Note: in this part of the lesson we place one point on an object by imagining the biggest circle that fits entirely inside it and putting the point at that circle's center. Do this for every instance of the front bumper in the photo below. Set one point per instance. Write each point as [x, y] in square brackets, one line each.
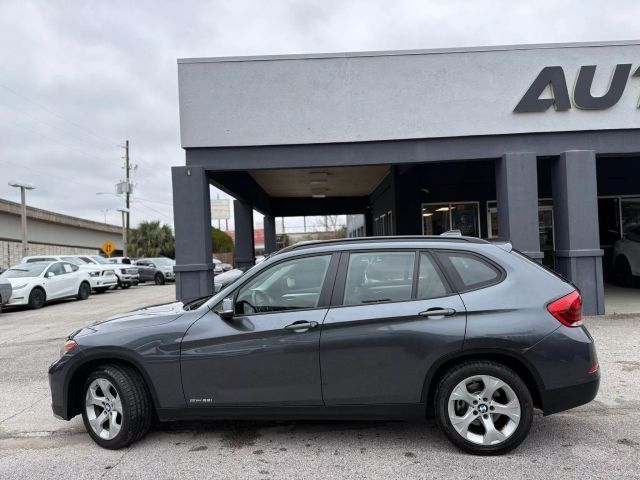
[129, 279]
[103, 282]
[60, 374]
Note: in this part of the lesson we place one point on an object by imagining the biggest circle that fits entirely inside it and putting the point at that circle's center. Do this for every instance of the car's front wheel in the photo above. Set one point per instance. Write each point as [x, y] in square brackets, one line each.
[484, 407]
[37, 297]
[84, 291]
[117, 406]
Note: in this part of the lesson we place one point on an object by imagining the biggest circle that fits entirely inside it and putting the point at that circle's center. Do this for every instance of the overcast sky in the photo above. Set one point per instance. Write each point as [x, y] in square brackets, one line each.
[78, 78]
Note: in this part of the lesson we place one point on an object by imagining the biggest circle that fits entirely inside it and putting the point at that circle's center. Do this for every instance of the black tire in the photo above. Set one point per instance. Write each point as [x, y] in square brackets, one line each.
[84, 291]
[136, 405]
[124, 286]
[37, 298]
[159, 279]
[101, 289]
[622, 272]
[465, 370]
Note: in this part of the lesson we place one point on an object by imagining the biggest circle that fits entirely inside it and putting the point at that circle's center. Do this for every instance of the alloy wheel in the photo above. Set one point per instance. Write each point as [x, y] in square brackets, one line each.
[104, 408]
[484, 410]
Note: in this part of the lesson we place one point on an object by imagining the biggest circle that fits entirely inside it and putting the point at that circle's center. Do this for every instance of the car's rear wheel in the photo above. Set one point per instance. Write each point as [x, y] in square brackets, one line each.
[37, 298]
[117, 406]
[484, 407]
[84, 291]
[159, 279]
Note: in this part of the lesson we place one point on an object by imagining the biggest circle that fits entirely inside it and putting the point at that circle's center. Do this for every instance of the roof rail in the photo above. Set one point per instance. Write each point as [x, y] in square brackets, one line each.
[398, 238]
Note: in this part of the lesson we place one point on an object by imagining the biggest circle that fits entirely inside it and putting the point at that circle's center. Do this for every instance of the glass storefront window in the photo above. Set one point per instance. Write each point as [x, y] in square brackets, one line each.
[630, 213]
[441, 217]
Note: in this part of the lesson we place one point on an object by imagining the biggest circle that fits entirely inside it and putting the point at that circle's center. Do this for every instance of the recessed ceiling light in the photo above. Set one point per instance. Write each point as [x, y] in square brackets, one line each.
[442, 209]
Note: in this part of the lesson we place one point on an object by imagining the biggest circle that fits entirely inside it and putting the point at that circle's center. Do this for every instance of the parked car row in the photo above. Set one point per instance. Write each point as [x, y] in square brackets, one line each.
[39, 279]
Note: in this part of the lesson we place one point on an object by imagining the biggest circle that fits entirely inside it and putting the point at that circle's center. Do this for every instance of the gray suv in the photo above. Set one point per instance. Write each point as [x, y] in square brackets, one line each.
[471, 333]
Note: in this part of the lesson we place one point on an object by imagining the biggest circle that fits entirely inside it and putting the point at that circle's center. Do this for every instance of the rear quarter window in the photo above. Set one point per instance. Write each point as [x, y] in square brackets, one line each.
[469, 271]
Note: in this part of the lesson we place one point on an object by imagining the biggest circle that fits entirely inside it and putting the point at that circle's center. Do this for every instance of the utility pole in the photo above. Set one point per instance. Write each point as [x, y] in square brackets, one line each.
[126, 169]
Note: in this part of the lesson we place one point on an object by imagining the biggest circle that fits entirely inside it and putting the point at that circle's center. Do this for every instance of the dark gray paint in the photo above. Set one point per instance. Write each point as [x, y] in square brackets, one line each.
[399, 152]
[549, 76]
[365, 356]
[517, 199]
[577, 241]
[582, 92]
[269, 234]
[244, 253]
[192, 222]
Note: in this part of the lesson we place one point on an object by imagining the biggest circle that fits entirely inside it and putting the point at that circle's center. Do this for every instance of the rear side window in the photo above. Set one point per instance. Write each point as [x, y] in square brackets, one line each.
[379, 277]
[431, 284]
[469, 272]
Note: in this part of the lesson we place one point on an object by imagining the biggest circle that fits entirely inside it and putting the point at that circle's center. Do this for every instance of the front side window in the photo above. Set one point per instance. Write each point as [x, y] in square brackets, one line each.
[469, 271]
[379, 277]
[289, 285]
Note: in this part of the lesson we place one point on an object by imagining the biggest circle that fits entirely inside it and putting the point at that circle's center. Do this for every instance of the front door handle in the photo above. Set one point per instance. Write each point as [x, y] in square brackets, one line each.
[301, 326]
[438, 312]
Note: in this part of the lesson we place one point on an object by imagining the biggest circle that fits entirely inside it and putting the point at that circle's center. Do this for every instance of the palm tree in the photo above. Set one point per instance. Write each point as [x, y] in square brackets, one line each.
[151, 239]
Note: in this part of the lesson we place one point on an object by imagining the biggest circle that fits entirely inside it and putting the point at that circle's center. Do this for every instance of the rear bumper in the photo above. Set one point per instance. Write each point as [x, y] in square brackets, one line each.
[561, 399]
[60, 373]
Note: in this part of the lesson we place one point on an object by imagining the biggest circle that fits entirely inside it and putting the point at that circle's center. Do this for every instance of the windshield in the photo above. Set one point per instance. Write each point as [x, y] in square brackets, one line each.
[163, 262]
[25, 270]
[99, 259]
[74, 260]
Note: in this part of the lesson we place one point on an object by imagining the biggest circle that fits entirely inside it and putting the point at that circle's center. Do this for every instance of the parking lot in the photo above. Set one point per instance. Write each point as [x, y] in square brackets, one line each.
[600, 440]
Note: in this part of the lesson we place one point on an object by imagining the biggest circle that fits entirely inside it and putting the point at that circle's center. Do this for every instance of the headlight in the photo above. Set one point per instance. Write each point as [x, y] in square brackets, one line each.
[94, 274]
[68, 345]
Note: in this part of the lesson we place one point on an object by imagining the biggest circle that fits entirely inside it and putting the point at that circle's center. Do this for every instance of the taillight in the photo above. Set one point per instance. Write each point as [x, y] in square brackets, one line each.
[568, 309]
[68, 345]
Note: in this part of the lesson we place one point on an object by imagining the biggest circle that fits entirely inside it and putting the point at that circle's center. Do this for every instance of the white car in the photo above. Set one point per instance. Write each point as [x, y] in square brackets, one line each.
[101, 277]
[127, 274]
[626, 256]
[36, 283]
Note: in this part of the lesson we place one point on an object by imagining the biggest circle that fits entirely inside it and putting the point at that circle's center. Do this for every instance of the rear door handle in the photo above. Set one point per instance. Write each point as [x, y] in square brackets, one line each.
[438, 312]
[301, 326]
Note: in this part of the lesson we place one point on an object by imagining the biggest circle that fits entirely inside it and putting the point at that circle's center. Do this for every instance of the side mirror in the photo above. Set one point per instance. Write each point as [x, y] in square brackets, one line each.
[226, 312]
[50, 274]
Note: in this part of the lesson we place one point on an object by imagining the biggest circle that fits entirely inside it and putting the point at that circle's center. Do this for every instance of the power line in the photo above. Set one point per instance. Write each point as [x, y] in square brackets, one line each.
[18, 94]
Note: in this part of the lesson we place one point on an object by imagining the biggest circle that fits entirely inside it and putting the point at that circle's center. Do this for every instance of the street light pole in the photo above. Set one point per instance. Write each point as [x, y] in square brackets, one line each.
[23, 198]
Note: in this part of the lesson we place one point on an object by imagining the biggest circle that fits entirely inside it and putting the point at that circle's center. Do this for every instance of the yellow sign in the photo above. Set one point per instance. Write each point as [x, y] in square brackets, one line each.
[108, 248]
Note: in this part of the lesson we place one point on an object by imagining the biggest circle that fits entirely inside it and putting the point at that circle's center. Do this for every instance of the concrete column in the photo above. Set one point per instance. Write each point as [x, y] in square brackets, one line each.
[244, 254]
[517, 198]
[269, 234]
[578, 256]
[192, 220]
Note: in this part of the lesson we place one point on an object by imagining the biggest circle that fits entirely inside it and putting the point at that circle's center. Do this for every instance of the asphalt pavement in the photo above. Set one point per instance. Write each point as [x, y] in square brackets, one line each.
[599, 440]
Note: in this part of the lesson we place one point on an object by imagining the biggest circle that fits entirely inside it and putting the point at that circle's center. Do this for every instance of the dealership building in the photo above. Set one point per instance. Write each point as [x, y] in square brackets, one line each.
[536, 144]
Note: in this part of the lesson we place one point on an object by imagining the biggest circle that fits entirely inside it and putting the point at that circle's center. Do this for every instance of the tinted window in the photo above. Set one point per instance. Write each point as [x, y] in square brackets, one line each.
[57, 269]
[634, 234]
[431, 284]
[290, 285]
[379, 277]
[469, 271]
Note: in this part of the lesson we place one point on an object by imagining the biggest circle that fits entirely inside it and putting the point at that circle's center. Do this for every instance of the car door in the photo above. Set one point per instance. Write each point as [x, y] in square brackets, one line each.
[267, 353]
[393, 315]
[55, 282]
[145, 271]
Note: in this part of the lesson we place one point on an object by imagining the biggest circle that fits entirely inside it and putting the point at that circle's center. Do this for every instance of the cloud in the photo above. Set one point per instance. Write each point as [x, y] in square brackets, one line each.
[78, 78]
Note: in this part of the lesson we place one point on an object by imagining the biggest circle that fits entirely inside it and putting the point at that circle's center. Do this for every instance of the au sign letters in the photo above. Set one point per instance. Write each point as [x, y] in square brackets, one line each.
[582, 97]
